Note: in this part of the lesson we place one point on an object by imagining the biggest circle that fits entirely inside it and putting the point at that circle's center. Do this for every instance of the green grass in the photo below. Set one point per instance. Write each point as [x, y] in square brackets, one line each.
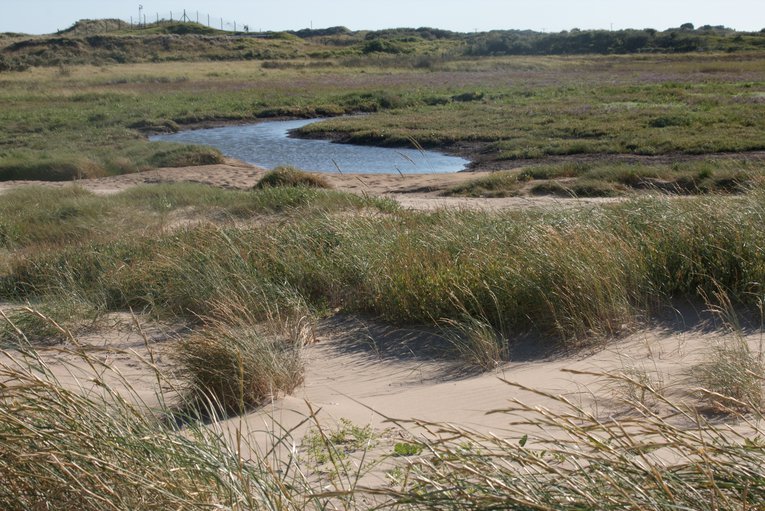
[495, 184]
[34, 216]
[609, 179]
[580, 116]
[81, 120]
[325, 446]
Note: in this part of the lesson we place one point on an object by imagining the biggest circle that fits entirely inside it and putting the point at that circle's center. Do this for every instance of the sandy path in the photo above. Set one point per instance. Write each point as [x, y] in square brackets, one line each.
[420, 191]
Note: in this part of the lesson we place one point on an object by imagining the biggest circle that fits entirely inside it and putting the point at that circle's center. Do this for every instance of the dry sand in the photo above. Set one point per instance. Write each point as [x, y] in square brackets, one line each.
[370, 373]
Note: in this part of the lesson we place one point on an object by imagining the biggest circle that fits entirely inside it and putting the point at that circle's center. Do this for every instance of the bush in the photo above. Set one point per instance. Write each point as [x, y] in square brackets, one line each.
[381, 46]
[156, 125]
[290, 176]
[497, 184]
[667, 121]
[50, 169]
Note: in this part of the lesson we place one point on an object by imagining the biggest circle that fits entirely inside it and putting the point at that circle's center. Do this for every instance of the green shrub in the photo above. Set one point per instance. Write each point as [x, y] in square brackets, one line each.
[496, 184]
[56, 169]
[666, 121]
[551, 188]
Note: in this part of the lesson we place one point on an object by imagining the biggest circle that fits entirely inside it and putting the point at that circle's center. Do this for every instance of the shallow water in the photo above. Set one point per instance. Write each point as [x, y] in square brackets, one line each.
[268, 145]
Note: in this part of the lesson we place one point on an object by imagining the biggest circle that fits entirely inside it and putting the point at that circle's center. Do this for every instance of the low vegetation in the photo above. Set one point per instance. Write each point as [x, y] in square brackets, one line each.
[232, 364]
[250, 293]
[290, 176]
[731, 376]
[247, 273]
[69, 448]
[115, 41]
[79, 120]
[569, 275]
[728, 175]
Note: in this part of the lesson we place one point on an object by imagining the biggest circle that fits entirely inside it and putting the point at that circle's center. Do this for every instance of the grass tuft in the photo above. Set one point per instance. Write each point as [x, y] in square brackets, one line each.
[731, 377]
[497, 184]
[290, 176]
[234, 364]
[477, 342]
[49, 323]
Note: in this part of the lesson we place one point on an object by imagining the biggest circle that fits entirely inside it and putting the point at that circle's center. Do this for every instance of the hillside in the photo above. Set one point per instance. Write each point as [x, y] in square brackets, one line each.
[108, 41]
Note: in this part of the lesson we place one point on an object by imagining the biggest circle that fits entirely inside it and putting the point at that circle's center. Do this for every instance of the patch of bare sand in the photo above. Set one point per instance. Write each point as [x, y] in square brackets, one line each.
[117, 351]
[369, 373]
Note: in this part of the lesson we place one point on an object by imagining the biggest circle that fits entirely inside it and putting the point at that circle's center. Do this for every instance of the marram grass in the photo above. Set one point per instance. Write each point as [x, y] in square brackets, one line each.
[569, 275]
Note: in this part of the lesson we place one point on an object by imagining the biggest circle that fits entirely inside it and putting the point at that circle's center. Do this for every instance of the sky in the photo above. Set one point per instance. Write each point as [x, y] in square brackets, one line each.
[47, 16]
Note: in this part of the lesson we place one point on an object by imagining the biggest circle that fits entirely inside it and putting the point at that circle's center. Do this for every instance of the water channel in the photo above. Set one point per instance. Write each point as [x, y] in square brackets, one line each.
[269, 145]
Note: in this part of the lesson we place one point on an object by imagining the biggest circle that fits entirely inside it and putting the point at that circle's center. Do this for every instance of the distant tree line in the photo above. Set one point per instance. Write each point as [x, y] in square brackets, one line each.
[527, 42]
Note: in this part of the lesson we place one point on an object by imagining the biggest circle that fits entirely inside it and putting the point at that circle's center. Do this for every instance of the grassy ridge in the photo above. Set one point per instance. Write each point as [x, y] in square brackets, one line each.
[569, 275]
[112, 41]
[35, 218]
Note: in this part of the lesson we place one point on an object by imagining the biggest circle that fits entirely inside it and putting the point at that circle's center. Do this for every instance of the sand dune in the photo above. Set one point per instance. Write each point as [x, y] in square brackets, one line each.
[369, 373]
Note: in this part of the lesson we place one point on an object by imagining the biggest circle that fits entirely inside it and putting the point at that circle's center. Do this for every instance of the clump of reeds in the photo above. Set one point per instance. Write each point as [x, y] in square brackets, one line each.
[731, 376]
[48, 323]
[476, 341]
[570, 276]
[496, 184]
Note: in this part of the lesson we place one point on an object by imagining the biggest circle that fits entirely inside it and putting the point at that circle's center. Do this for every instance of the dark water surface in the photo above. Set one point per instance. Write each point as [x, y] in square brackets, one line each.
[266, 144]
